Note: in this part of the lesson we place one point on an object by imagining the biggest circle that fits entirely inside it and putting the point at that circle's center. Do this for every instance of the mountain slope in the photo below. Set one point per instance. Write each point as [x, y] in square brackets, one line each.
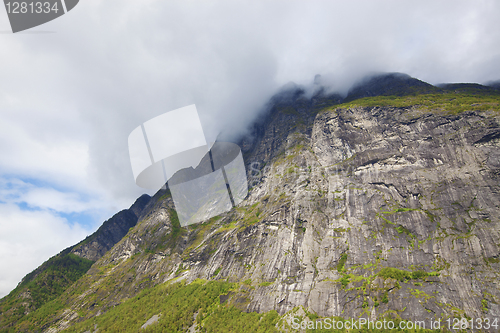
[55, 275]
[356, 210]
[111, 231]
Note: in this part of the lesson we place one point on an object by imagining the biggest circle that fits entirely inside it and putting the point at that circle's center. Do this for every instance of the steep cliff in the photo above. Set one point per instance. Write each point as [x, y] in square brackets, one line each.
[380, 207]
[111, 231]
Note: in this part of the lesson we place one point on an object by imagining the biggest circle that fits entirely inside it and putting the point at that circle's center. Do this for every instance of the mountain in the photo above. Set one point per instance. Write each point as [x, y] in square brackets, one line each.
[111, 231]
[494, 84]
[55, 275]
[392, 84]
[384, 205]
[469, 88]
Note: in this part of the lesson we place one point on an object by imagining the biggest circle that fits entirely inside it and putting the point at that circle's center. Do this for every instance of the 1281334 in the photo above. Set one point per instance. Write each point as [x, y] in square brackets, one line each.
[32, 7]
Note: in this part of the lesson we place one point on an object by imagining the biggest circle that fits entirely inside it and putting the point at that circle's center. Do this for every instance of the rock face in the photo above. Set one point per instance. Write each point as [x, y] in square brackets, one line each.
[353, 212]
[372, 188]
[111, 231]
[415, 190]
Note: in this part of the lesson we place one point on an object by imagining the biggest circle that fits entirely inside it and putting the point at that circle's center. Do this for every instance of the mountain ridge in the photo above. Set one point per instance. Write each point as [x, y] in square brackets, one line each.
[56, 274]
[323, 193]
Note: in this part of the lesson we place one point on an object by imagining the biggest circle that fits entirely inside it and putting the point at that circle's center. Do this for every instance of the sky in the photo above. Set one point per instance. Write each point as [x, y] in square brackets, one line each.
[73, 89]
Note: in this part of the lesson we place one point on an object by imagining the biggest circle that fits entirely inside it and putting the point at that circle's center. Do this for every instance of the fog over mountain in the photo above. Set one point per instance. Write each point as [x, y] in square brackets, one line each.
[73, 89]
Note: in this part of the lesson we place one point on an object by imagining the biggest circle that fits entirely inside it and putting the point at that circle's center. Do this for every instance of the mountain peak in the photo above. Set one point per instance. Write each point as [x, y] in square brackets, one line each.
[385, 84]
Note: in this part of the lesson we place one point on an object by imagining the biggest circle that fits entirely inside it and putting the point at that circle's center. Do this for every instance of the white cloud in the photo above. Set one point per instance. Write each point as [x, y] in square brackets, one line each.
[27, 239]
[33, 146]
[39, 197]
[30, 236]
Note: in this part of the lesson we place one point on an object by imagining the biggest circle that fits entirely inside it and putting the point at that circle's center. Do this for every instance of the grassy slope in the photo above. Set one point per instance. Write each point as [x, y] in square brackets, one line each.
[450, 101]
[44, 284]
[180, 306]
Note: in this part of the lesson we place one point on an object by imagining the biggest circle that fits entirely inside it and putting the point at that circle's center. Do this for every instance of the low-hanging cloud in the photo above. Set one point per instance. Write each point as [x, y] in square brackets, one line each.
[115, 64]
[229, 58]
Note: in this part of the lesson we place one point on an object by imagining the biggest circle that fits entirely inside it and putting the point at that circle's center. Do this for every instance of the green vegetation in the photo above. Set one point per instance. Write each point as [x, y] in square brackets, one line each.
[178, 305]
[447, 102]
[400, 229]
[341, 263]
[42, 285]
[176, 226]
[344, 280]
[211, 306]
[419, 294]
[402, 275]
[166, 195]
[400, 210]
[201, 230]
[289, 110]
[39, 318]
[168, 240]
[233, 224]
[385, 298]
[58, 274]
[492, 260]
[249, 215]
[484, 305]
